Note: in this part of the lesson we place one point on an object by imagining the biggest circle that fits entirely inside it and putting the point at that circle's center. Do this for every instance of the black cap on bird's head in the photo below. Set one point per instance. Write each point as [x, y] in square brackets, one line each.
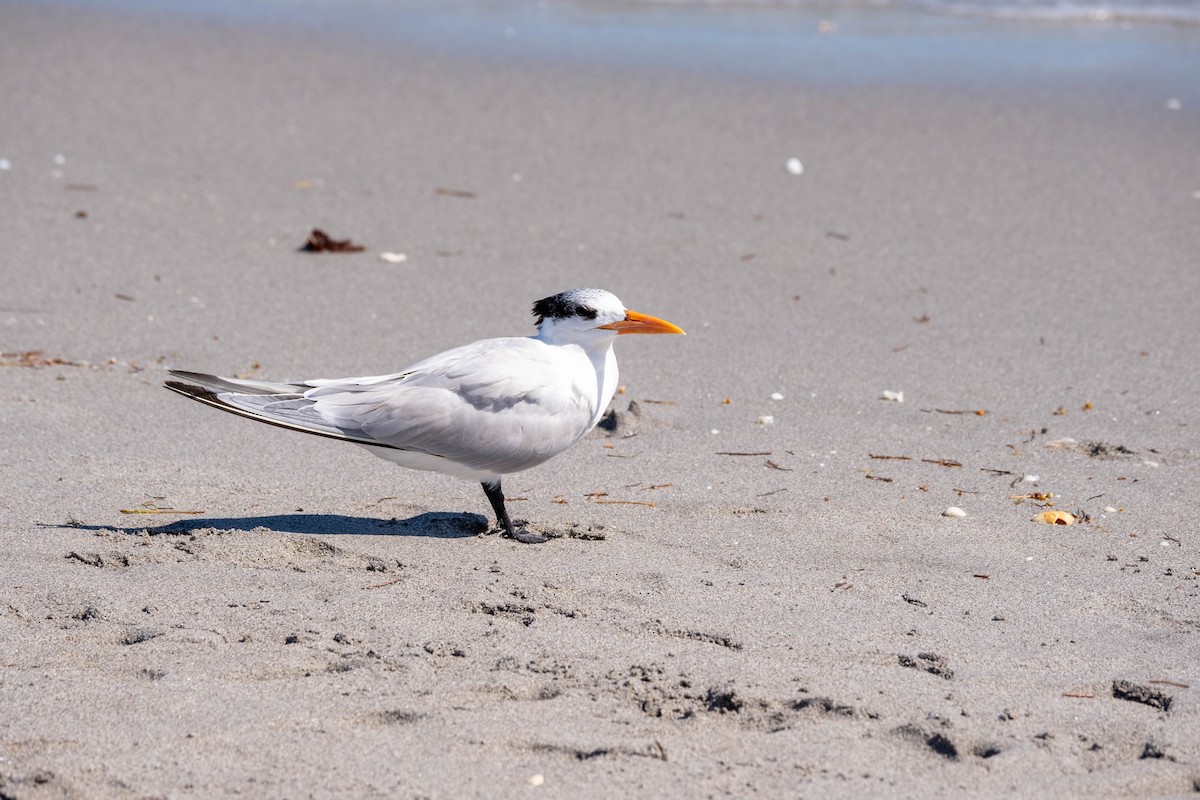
[595, 309]
[571, 303]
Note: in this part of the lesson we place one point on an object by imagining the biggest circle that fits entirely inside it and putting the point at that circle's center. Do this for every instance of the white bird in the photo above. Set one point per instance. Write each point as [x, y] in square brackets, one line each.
[480, 411]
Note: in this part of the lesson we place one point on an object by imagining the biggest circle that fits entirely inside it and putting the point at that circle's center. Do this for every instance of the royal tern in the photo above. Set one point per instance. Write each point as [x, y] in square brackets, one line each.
[480, 411]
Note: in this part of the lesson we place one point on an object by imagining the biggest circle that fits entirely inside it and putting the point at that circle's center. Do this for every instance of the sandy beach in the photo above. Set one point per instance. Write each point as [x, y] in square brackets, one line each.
[752, 588]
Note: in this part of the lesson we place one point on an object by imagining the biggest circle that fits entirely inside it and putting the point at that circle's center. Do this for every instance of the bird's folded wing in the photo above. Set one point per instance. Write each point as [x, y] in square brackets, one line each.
[499, 405]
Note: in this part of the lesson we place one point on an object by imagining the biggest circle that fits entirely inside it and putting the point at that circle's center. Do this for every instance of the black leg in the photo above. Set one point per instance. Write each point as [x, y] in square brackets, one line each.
[495, 496]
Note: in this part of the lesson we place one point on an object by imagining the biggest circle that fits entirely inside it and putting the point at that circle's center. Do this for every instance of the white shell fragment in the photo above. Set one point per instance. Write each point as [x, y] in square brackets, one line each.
[5, 163]
[537, 780]
[1109, 510]
[393, 258]
[1032, 478]
[794, 166]
[776, 396]
[766, 419]
[895, 397]
[954, 511]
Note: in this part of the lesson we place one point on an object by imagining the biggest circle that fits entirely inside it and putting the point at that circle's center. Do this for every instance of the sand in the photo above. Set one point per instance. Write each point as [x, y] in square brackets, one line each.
[729, 607]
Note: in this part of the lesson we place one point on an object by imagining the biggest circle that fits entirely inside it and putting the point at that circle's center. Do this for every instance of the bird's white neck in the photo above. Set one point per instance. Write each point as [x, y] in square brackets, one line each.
[597, 346]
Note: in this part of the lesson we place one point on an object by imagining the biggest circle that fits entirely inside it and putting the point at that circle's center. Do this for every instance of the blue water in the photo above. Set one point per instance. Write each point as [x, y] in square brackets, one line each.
[830, 42]
[1176, 12]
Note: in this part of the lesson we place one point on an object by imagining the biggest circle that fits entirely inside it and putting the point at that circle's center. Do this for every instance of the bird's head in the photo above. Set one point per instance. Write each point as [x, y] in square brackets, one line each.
[582, 315]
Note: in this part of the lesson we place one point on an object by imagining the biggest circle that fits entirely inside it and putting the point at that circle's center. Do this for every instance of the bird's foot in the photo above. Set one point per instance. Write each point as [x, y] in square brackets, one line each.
[524, 536]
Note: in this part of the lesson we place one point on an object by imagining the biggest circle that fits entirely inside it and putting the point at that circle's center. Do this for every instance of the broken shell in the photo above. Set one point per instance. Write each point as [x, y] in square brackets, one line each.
[1055, 518]
[954, 511]
[393, 258]
[766, 420]
[897, 397]
[794, 166]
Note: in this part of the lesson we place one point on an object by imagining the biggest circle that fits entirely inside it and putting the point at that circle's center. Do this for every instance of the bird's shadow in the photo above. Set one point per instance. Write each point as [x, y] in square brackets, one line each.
[433, 524]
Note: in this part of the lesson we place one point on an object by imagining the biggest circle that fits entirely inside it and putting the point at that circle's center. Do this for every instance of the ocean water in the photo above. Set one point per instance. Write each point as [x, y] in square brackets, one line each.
[1129, 12]
[818, 42]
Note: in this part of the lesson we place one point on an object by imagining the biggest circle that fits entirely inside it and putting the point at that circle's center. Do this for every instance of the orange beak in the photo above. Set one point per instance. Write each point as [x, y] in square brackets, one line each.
[641, 323]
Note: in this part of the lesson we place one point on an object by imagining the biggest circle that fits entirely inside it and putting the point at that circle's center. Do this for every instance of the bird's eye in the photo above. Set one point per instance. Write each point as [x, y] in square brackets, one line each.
[585, 312]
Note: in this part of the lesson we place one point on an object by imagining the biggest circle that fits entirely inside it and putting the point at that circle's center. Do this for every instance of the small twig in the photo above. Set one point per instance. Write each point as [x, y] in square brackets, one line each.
[444, 192]
[890, 458]
[977, 412]
[996, 471]
[660, 402]
[156, 511]
[728, 453]
[385, 583]
[1079, 694]
[773, 465]
[768, 494]
[941, 462]
[627, 503]
[871, 477]
[1176, 684]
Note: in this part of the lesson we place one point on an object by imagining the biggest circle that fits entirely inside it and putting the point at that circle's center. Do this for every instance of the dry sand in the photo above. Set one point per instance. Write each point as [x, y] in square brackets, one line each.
[801, 622]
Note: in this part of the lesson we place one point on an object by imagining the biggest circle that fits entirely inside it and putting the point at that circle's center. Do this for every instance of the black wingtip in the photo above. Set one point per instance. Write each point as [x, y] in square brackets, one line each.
[192, 391]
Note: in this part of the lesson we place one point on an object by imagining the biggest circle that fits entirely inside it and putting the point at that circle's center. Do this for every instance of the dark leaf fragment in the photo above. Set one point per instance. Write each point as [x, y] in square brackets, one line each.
[321, 242]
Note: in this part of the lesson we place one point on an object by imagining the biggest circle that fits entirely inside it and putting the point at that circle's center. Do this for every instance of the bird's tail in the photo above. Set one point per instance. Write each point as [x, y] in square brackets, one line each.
[280, 404]
[217, 383]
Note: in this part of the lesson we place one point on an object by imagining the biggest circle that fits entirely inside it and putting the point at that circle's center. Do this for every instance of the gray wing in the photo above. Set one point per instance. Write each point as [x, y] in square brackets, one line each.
[500, 405]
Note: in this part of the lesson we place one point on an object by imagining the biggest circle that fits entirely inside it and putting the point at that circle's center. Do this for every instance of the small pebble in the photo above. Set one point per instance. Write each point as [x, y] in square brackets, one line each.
[5, 163]
[954, 511]
[794, 166]
[714, 431]
[60, 160]
[766, 420]
[895, 397]
[537, 780]
[1174, 104]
